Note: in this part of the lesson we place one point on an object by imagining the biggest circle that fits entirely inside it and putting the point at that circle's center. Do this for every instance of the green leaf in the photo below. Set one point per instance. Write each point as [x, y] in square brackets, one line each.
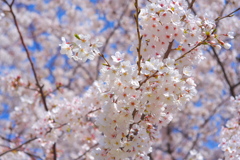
[77, 36]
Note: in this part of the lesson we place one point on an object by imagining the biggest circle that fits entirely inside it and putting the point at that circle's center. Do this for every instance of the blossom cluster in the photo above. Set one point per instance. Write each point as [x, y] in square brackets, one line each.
[124, 105]
[139, 99]
[83, 49]
[230, 135]
[230, 139]
[70, 122]
[165, 22]
[134, 112]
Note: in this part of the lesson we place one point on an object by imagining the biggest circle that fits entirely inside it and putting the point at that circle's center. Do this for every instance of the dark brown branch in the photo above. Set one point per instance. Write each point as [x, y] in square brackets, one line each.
[136, 16]
[141, 83]
[131, 125]
[229, 15]
[169, 147]
[150, 156]
[16, 148]
[221, 13]
[169, 150]
[10, 5]
[166, 54]
[28, 56]
[188, 52]
[6, 139]
[190, 6]
[54, 148]
[231, 89]
[199, 44]
[235, 85]
[93, 111]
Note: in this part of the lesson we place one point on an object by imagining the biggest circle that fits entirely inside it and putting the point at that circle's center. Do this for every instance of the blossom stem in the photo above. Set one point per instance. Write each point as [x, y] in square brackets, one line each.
[199, 44]
[141, 83]
[188, 51]
[107, 64]
[229, 15]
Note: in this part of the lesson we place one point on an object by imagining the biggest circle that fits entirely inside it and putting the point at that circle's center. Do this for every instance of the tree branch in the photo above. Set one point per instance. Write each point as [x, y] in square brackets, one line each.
[28, 56]
[102, 55]
[190, 6]
[231, 88]
[228, 15]
[141, 83]
[169, 148]
[166, 54]
[16, 148]
[199, 44]
[136, 16]
[54, 148]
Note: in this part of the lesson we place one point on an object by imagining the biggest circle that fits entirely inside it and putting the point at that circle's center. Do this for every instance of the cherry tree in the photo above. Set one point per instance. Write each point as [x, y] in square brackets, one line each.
[141, 79]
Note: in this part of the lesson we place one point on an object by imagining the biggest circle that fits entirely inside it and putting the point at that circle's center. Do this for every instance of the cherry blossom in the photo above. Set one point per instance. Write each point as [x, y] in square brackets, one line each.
[122, 79]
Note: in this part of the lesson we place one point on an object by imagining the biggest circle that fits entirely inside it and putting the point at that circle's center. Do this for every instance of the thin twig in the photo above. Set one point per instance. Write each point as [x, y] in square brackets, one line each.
[93, 111]
[190, 6]
[229, 15]
[16, 148]
[199, 44]
[231, 88]
[166, 54]
[235, 85]
[188, 52]
[131, 125]
[6, 139]
[221, 13]
[141, 83]
[33, 156]
[10, 5]
[136, 16]
[102, 55]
